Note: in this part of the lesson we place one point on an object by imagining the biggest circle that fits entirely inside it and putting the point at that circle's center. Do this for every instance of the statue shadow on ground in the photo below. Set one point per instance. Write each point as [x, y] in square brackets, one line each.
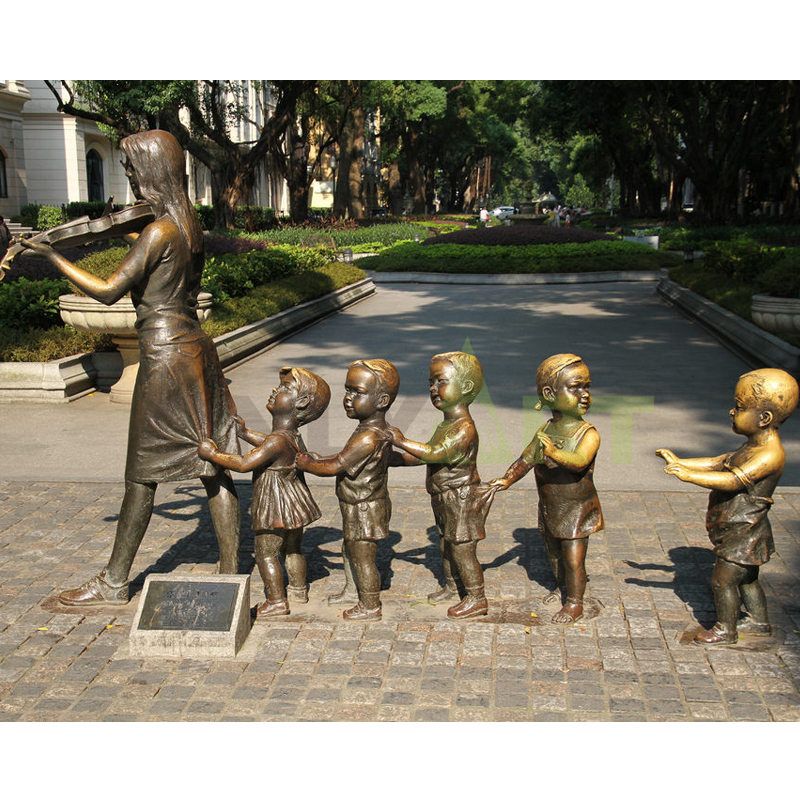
[530, 553]
[691, 579]
[427, 555]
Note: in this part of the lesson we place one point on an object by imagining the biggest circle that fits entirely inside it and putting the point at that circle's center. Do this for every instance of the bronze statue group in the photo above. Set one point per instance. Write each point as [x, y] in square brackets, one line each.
[184, 425]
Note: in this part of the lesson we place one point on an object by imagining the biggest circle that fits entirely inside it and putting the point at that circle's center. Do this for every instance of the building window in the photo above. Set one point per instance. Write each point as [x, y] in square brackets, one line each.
[94, 176]
[3, 179]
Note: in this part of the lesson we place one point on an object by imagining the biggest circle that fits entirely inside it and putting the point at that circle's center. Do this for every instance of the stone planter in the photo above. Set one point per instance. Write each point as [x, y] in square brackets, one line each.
[776, 314]
[118, 320]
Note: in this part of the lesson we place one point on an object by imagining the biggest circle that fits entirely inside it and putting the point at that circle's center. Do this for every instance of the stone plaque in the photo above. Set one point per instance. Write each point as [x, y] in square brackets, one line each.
[194, 606]
[192, 616]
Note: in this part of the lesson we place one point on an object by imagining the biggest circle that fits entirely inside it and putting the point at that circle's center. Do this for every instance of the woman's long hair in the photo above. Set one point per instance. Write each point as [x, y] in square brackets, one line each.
[160, 166]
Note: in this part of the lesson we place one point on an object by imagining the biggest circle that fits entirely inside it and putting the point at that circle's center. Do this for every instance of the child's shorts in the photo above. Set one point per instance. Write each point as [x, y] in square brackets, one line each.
[367, 521]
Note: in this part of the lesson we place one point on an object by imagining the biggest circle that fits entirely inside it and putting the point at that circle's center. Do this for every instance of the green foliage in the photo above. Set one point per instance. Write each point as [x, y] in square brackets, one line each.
[27, 303]
[741, 261]
[48, 217]
[35, 344]
[42, 218]
[384, 234]
[682, 237]
[103, 264]
[38, 344]
[233, 275]
[246, 218]
[281, 294]
[578, 194]
[734, 296]
[498, 259]
[783, 278]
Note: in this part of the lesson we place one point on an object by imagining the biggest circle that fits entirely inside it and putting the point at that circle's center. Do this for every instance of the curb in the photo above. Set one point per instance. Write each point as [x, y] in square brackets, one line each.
[73, 377]
[516, 279]
[756, 346]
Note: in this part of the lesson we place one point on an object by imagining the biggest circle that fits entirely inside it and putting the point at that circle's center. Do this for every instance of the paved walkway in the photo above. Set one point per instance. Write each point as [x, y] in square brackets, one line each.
[649, 569]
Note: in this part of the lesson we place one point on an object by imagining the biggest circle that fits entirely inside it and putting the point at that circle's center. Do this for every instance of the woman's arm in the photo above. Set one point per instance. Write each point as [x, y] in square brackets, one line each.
[148, 248]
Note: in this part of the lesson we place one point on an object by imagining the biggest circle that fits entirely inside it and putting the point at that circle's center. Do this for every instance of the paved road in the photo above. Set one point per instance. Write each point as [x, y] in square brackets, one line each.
[659, 380]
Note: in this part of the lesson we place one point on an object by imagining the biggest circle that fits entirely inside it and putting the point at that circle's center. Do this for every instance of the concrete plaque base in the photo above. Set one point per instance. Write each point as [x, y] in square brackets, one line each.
[191, 616]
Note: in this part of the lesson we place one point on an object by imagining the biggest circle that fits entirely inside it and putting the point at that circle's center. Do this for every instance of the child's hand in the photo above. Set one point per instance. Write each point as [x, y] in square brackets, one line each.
[207, 449]
[679, 471]
[241, 425]
[500, 484]
[302, 460]
[395, 435]
[667, 455]
[548, 448]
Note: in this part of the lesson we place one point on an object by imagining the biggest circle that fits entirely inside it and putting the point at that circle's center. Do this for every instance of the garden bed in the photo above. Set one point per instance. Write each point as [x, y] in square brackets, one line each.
[518, 235]
[596, 256]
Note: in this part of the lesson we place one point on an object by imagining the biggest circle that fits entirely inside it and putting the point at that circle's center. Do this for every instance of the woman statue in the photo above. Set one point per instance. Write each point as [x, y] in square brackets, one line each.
[180, 397]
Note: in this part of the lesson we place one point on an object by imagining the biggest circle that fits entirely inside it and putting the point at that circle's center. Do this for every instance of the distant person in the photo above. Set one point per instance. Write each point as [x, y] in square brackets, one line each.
[484, 217]
[5, 237]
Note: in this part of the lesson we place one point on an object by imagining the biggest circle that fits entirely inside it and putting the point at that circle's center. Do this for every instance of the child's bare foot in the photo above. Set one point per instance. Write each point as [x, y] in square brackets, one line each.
[277, 609]
[347, 595]
[552, 597]
[570, 612]
[446, 592]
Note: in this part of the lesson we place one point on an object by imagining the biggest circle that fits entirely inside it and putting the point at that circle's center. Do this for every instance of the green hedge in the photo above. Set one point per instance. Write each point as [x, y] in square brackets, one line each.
[587, 257]
[264, 301]
[235, 274]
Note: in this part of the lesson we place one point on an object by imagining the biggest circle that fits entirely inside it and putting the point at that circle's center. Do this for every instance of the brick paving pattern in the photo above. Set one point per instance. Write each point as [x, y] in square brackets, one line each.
[649, 582]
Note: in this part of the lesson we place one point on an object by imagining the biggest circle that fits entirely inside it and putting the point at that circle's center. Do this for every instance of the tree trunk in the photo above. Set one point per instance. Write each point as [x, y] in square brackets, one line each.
[395, 189]
[348, 201]
[297, 173]
[416, 178]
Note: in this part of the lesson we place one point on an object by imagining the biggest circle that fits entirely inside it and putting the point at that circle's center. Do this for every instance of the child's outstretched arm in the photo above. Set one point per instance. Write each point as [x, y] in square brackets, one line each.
[264, 454]
[398, 459]
[436, 452]
[574, 461]
[708, 462]
[764, 461]
[359, 447]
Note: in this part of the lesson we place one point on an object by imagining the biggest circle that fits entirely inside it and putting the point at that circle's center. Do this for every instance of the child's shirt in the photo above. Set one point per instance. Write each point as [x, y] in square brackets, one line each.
[365, 458]
[737, 522]
[459, 438]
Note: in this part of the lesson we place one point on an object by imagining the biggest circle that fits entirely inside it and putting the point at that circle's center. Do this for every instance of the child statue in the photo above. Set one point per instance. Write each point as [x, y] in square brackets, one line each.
[562, 455]
[361, 470]
[460, 503]
[281, 505]
[741, 486]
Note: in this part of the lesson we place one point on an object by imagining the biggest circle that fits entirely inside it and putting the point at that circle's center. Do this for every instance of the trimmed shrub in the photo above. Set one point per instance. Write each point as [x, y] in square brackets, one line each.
[385, 234]
[589, 257]
[741, 261]
[246, 218]
[782, 279]
[48, 217]
[30, 304]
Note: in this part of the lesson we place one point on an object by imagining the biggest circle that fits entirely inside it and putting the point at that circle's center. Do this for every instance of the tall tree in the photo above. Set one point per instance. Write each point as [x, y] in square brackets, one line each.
[202, 115]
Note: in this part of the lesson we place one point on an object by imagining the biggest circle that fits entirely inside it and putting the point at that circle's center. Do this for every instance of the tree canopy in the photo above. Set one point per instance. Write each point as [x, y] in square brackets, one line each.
[738, 142]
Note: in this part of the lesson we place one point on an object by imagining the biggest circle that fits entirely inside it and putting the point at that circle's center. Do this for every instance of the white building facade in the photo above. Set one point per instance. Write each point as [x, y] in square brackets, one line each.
[51, 158]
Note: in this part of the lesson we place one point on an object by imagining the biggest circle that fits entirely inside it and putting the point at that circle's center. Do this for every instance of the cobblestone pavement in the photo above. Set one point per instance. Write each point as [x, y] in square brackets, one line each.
[649, 581]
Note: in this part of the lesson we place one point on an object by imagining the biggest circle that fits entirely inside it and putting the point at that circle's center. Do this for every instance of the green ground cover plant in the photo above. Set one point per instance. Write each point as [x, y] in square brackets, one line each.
[599, 256]
[383, 234]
